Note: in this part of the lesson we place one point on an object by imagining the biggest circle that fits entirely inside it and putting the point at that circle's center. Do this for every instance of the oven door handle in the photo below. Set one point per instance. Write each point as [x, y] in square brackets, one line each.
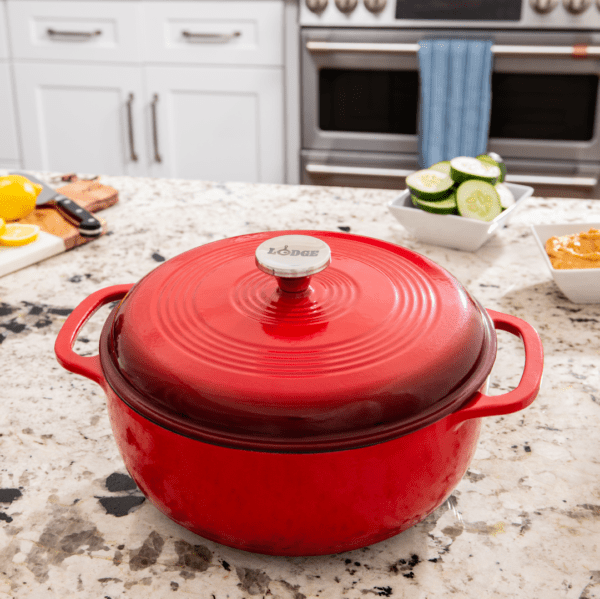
[544, 180]
[326, 169]
[577, 51]
[398, 173]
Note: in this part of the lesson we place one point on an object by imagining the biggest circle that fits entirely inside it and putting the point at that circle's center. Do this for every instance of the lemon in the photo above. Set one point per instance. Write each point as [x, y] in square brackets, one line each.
[19, 234]
[2, 226]
[17, 196]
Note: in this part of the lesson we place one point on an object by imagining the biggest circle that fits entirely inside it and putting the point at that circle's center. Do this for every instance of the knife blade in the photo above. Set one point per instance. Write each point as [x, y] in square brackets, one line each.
[88, 225]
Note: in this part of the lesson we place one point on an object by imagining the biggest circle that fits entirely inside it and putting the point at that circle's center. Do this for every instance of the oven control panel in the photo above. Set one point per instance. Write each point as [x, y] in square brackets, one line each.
[468, 14]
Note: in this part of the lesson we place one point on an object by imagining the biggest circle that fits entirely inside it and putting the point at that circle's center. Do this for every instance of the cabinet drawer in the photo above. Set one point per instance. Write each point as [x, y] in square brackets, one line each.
[75, 31]
[235, 32]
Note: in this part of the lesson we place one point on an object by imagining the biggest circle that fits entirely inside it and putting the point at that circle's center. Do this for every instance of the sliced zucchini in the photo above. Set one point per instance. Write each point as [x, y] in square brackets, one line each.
[507, 199]
[496, 160]
[478, 199]
[443, 166]
[464, 168]
[445, 206]
[429, 184]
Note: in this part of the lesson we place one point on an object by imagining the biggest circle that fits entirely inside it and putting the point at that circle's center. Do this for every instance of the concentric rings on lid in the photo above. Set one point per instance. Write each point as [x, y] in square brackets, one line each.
[382, 342]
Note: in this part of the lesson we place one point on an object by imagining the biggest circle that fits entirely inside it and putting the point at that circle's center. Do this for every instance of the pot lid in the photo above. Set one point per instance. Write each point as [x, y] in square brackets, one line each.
[297, 341]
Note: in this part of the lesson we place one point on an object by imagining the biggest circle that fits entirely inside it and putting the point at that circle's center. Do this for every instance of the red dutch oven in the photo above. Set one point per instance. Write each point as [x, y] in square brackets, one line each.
[301, 392]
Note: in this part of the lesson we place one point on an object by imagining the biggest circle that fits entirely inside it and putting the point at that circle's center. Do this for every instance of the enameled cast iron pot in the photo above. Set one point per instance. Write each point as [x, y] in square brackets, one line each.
[266, 402]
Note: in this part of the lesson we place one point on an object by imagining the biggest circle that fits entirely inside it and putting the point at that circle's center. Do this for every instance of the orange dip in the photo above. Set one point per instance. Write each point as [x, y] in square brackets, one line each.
[580, 250]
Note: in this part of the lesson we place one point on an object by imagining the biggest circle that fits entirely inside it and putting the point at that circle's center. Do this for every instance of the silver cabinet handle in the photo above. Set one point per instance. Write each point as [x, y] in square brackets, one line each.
[211, 37]
[579, 51]
[157, 156]
[132, 153]
[88, 34]
[325, 169]
[543, 180]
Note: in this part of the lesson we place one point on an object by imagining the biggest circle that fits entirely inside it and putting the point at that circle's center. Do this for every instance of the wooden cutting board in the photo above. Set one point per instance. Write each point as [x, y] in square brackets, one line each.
[57, 234]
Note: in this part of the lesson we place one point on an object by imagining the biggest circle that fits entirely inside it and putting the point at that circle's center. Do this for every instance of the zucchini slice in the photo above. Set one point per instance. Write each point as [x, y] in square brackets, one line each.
[479, 200]
[443, 166]
[464, 168]
[445, 206]
[496, 160]
[507, 199]
[429, 184]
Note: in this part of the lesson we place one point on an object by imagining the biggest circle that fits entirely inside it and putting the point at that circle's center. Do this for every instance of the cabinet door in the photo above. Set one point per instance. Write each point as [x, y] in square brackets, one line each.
[9, 148]
[77, 118]
[3, 31]
[216, 123]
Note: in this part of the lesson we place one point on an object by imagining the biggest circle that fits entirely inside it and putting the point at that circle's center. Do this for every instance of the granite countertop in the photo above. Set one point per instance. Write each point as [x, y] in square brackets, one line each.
[524, 521]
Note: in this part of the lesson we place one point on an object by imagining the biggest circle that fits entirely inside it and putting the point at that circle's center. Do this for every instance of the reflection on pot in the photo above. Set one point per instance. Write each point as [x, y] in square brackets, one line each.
[307, 317]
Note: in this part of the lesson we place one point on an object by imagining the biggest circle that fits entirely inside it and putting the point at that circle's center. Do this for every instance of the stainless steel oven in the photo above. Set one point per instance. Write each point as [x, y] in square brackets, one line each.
[360, 88]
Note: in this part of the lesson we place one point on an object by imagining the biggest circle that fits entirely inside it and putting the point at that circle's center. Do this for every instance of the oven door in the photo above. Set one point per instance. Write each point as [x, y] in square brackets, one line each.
[359, 100]
[360, 93]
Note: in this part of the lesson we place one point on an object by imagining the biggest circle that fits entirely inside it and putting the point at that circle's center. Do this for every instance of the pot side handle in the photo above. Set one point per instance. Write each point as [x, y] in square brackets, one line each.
[89, 367]
[517, 399]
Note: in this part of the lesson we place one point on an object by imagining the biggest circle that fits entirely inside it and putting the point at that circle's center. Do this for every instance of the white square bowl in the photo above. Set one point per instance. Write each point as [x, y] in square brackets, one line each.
[450, 230]
[580, 285]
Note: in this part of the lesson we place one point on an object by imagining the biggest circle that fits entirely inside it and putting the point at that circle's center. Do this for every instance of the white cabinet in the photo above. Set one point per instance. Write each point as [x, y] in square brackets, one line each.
[9, 147]
[88, 30]
[198, 94]
[217, 123]
[3, 32]
[79, 118]
[231, 32]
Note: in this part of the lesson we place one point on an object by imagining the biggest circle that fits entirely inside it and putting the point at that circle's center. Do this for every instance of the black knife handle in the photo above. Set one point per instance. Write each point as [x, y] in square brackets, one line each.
[89, 226]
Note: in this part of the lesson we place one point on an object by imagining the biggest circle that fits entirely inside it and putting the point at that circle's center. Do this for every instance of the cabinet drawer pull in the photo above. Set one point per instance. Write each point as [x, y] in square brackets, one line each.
[157, 156]
[86, 34]
[132, 153]
[210, 37]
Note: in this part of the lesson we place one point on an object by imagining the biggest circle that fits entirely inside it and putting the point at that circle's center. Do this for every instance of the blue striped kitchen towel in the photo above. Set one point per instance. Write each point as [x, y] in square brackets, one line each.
[456, 98]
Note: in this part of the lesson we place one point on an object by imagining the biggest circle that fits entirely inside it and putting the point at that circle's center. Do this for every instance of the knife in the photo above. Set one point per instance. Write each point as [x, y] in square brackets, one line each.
[89, 226]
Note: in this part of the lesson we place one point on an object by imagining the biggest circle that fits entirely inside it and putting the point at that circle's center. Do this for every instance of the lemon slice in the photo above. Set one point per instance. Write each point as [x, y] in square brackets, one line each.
[19, 234]
[2, 226]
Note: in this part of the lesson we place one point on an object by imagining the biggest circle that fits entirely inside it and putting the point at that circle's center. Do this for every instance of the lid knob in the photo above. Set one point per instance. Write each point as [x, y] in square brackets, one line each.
[293, 259]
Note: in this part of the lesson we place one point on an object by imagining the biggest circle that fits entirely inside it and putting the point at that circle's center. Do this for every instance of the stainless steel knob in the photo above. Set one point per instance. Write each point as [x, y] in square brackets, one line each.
[376, 6]
[576, 7]
[543, 6]
[316, 6]
[293, 259]
[346, 6]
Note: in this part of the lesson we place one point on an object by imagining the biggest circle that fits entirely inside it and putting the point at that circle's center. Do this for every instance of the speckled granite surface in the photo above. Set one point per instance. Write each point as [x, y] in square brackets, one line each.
[524, 522]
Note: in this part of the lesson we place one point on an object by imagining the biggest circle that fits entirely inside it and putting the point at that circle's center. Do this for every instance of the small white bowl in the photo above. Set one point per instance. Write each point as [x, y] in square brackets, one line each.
[580, 285]
[450, 230]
